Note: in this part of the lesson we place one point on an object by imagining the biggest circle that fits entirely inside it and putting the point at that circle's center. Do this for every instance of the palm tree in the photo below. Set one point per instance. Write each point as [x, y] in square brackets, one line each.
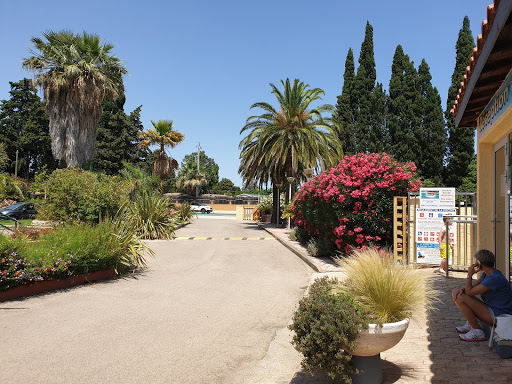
[286, 141]
[76, 72]
[163, 135]
[191, 178]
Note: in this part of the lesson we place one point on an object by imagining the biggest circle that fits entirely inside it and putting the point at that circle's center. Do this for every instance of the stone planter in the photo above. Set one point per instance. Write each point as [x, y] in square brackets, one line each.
[266, 218]
[375, 339]
[370, 343]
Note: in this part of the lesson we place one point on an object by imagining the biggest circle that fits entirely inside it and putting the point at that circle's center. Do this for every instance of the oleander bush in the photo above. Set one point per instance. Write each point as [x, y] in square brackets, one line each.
[351, 205]
[326, 325]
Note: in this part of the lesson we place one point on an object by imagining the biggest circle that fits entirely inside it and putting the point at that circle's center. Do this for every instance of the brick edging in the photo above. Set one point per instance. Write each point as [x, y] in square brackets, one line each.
[52, 285]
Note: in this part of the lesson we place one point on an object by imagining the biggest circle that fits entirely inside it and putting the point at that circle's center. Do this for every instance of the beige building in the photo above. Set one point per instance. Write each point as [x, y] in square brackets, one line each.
[485, 102]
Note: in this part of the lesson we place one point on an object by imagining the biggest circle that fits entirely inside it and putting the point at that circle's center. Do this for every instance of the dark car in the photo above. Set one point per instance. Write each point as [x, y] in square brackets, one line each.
[20, 211]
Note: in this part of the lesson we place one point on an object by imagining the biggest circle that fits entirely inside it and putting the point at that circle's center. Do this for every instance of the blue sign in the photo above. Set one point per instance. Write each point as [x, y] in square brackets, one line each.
[496, 107]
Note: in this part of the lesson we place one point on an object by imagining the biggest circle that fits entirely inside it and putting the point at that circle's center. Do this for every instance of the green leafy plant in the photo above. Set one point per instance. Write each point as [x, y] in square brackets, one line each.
[185, 212]
[131, 248]
[326, 325]
[388, 290]
[150, 214]
[320, 248]
[77, 196]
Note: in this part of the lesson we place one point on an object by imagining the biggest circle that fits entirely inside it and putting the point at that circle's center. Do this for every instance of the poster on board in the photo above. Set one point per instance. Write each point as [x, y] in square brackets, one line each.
[429, 223]
[437, 197]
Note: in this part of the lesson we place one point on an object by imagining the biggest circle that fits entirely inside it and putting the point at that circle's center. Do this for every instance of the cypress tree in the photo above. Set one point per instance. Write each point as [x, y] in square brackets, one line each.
[344, 111]
[404, 108]
[364, 83]
[378, 134]
[432, 134]
[24, 127]
[117, 139]
[461, 141]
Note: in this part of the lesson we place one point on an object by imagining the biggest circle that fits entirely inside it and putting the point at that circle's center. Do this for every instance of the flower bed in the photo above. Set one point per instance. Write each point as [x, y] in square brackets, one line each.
[51, 285]
[351, 205]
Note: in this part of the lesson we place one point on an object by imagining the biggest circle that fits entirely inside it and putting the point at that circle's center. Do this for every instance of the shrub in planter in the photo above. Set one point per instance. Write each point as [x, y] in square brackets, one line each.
[351, 205]
[326, 325]
[389, 291]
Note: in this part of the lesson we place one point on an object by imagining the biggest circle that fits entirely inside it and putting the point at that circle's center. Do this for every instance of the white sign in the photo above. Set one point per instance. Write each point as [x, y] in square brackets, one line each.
[429, 224]
[437, 197]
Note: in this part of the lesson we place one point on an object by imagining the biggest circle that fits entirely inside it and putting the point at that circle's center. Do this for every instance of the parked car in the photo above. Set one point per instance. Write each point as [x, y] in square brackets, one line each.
[20, 211]
[200, 207]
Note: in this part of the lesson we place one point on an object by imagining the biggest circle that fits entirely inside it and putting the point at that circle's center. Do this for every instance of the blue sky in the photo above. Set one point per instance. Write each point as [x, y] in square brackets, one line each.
[203, 63]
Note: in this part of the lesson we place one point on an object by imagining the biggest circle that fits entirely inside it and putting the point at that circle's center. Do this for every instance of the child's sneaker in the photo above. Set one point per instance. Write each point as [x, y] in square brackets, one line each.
[473, 335]
[464, 328]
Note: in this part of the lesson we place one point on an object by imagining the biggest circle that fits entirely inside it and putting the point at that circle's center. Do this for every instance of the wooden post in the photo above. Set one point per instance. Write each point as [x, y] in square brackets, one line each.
[400, 229]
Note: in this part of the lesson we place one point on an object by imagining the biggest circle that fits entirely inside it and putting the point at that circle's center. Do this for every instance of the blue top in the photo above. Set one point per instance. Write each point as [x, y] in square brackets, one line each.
[499, 296]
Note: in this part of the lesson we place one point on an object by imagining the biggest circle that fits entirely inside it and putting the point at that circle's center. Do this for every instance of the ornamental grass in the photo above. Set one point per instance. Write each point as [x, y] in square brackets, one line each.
[388, 290]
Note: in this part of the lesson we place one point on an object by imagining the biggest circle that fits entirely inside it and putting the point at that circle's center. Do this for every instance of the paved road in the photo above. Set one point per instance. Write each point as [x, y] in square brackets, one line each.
[205, 311]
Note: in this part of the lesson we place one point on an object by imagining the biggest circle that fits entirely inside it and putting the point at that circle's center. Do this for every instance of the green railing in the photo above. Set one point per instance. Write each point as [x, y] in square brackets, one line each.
[5, 217]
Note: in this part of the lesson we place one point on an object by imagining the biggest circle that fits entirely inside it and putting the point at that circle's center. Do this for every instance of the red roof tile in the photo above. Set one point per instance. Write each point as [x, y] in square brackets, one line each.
[486, 27]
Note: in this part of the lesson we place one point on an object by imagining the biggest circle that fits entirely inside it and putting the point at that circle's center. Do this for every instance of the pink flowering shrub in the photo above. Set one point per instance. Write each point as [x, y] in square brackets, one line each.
[351, 205]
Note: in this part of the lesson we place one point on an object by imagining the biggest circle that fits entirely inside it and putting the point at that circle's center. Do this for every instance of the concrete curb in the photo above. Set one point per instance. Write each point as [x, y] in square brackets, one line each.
[285, 243]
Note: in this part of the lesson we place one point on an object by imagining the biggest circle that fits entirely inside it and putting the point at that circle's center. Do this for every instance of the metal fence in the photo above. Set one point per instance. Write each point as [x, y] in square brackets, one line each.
[463, 251]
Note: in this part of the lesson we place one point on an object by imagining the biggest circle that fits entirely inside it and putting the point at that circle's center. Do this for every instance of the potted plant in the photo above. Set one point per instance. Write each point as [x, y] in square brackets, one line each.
[265, 208]
[386, 293]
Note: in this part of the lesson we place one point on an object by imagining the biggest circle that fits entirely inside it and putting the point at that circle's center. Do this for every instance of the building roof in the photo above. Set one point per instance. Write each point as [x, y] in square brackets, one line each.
[488, 66]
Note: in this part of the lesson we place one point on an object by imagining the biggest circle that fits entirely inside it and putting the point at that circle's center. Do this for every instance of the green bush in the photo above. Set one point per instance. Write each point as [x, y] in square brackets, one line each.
[151, 216]
[326, 327]
[71, 250]
[13, 188]
[77, 196]
[185, 212]
[320, 248]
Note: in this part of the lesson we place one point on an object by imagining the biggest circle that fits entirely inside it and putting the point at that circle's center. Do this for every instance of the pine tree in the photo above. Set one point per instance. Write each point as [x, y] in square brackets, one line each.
[364, 83]
[117, 138]
[24, 127]
[461, 140]
[344, 111]
[432, 134]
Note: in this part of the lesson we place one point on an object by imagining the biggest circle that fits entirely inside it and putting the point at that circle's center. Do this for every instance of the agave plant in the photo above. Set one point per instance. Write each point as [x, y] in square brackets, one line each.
[150, 215]
[388, 290]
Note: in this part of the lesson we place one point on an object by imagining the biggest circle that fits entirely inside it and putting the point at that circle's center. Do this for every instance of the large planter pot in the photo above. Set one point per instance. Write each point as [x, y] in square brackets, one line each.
[375, 339]
[266, 218]
[370, 343]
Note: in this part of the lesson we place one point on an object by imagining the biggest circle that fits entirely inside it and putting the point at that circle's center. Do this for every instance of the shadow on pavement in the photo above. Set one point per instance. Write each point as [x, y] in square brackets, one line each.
[454, 360]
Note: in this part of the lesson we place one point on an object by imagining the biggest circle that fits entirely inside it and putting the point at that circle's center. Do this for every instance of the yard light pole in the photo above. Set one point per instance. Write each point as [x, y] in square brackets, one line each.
[309, 173]
[290, 181]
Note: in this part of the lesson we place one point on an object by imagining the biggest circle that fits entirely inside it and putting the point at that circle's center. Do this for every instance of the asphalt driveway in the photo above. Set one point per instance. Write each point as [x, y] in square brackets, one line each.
[205, 311]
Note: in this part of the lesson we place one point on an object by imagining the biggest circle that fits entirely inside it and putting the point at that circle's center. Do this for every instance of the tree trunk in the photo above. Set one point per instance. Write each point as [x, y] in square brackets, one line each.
[275, 204]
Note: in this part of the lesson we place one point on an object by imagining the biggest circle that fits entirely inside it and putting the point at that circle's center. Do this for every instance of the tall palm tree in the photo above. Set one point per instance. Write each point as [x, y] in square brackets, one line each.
[163, 135]
[191, 178]
[76, 72]
[285, 141]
